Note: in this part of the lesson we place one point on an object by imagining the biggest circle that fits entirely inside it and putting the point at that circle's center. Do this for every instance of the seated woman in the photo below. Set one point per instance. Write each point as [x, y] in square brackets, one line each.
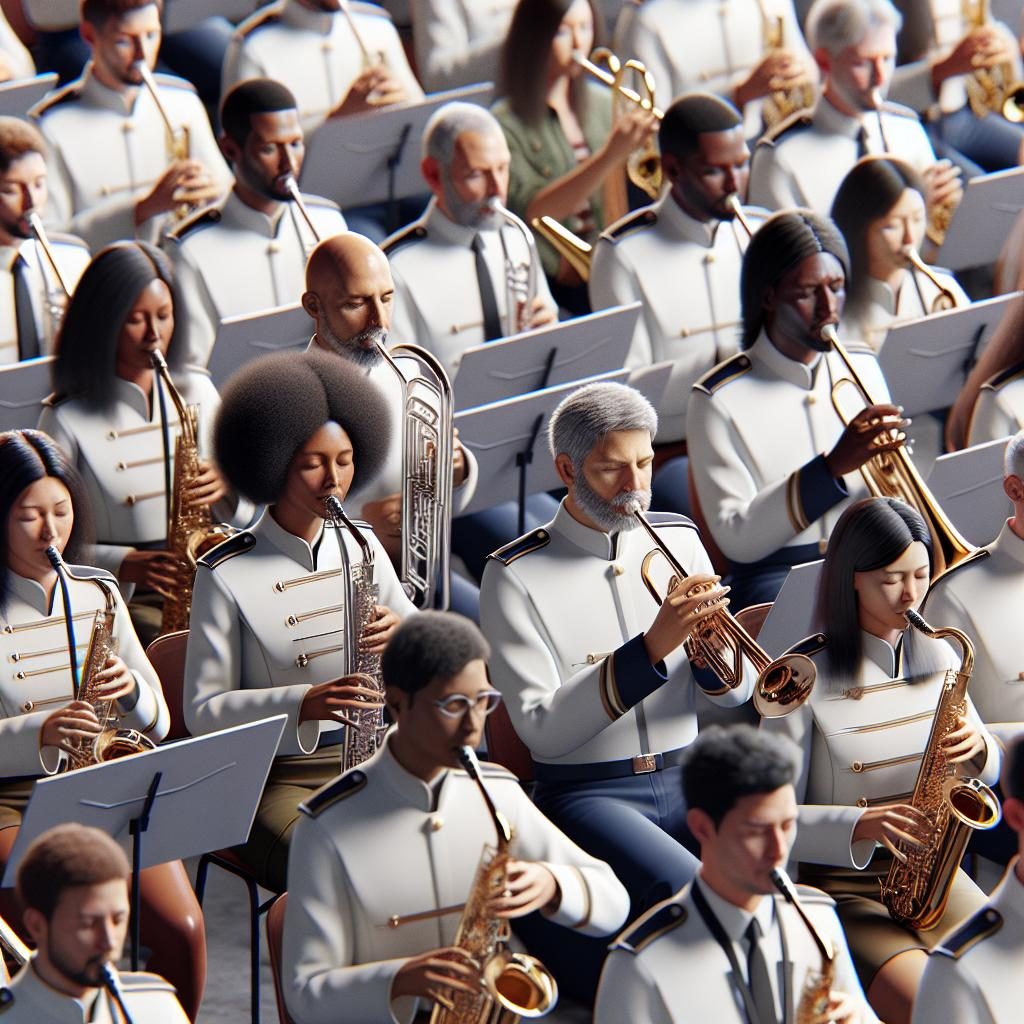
[567, 156]
[880, 210]
[109, 410]
[269, 633]
[42, 503]
[863, 732]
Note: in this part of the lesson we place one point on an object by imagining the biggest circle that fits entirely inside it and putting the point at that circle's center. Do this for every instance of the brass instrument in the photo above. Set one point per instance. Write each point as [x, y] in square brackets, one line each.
[369, 59]
[292, 188]
[721, 642]
[573, 249]
[993, 88]
[364, 729]
[56, 298]
[514, 985]
[917, 887]
[734, 204]
[945, 299]
[191, 531]
[814, 999]
[894, 475]
[112, 742]
[785, 98]
[520, 278]
[644, 163]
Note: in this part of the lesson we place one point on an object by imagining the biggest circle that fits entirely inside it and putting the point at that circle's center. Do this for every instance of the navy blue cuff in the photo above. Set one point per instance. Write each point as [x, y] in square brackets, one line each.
[627, 676]
[811, 492]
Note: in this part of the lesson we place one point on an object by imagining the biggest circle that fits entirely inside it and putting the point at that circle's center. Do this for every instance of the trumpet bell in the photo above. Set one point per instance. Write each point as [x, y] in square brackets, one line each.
[784, 685]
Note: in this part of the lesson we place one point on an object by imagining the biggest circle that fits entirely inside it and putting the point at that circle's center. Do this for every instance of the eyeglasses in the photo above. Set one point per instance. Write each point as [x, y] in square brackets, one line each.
[456, 705]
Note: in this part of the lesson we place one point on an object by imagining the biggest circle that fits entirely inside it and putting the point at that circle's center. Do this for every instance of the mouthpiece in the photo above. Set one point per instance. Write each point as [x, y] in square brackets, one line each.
[781, 882]
[334, 507]
[467, 758]
[828, 334]
[291, 186]
[733, 202]
[633, 507]
[54, 556]
[916, 620]
[158, 361]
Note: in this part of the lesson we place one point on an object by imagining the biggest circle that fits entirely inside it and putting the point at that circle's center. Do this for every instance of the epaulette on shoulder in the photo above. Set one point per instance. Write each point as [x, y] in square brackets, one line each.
[264, 16]
[735, 366]
[204, 218]
[413, 233]
[236, 545]
[631, 222]
[1005, 376]
[6, 999]
[47, 103]
[658, 519]
[795, 122]
[497, 771]
[338, 789]
[808, 894]
[523, 546]
[810, 645]
[984, 923]
[143, 981]
[898, 110]
[173, 82]
[655, 923]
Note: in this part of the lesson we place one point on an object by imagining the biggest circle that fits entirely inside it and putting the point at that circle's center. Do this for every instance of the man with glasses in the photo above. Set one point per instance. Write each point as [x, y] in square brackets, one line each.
[384, 857]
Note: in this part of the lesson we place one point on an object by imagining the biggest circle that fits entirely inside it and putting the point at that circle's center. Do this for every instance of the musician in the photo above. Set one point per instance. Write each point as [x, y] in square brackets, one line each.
[108, 412]
[111, 174]
[268, 608]
[413, 807]
[248, 251]
[877, 690]
[32, 298]
[971, 977]
[772, 486]
[43, 503]
[73, 882]
[880, 210]
[460, 238]
[729, 940]
[802, 161]
[333, 65]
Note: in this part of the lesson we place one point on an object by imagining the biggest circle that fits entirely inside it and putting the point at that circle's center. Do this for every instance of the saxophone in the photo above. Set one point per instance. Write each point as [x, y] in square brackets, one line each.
[784, 100]
[364, 730]
[515, 985]
[916, 889]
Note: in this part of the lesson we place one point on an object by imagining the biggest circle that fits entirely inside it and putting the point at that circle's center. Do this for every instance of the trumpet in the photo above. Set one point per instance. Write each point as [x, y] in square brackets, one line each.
[945, 299]
[56, 298]
[520, 278]
[894, 475]
[722, 642]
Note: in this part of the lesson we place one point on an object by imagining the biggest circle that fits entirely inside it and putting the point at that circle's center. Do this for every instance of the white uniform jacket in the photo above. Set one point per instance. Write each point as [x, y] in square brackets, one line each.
[108, 149]
[379, 843]
[30, 1000]
[119, 452]
[984, 596]
[999, 408]
[314, 53]
[668, 968]
[687, 275]
[35, 670]
[975, 976]
[48, 301]
[759, 427]
[565, 610]
[862, 742]
[268, 623]
[710, 45]
[18, 58]
[231, 259]
[803, 161]
[458, 42]
[437, 298]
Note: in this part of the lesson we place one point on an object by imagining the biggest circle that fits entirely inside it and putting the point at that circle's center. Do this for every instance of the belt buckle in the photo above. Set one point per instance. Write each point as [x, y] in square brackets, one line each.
[644, 764]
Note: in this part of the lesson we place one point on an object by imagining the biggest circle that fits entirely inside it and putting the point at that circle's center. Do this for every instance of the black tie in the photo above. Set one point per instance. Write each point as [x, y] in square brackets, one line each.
[758, 976]
[862, 142]
[28, 335]
[488, 302]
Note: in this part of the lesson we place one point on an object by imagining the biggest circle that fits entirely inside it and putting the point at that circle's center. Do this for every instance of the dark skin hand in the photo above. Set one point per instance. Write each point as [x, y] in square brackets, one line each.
[875, 429]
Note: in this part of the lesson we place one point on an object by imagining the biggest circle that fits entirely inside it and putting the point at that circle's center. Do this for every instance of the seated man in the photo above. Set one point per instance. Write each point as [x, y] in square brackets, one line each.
[249, 251]
[399, 840]
[73, 883]
[731, 929]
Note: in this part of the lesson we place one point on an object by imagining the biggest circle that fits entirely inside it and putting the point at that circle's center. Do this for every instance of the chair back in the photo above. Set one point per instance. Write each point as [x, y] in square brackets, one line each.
[167, 656]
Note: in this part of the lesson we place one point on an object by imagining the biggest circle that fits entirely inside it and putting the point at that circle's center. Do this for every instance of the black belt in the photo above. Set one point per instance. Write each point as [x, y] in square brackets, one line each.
[641, 764]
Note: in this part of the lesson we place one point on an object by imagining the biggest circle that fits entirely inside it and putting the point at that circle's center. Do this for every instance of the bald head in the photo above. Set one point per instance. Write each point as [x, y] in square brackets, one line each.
[349, 294]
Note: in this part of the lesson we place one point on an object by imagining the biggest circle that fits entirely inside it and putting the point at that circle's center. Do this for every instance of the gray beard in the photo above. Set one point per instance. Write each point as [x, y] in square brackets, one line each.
[469, 215]
[610, 516]
[352, 349]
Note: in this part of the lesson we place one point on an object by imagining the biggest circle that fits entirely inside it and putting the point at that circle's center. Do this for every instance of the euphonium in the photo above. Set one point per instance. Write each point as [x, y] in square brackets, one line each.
[521, 277]
[945, 299]
[363, 729]
[894, 475]
[515, 985]
[917, 887]
[722, 642]
[56, 297]
[190, 528]
[573, 249]
[112, 742]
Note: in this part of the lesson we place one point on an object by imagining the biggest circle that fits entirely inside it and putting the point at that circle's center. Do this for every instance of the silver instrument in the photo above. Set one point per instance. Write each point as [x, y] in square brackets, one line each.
[520, 276]
[57, 292]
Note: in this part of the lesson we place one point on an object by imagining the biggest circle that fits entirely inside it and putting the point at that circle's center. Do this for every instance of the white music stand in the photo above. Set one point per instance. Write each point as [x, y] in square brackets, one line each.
[23, 386]
[375, 157]
[556, 354]
[250, 335]
[213, 783]
[792, 615]
[926, 361]
[509, 440]
[17, 98]
[969, 487]
[983, 219]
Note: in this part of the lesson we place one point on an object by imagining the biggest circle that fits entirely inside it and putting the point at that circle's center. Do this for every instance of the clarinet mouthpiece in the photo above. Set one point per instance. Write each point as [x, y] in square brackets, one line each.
[54, 556]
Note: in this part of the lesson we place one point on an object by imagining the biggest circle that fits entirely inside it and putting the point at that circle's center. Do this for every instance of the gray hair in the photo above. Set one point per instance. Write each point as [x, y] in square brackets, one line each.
[833, 25]
[447, 123]
[1013, 460]
[587, 415]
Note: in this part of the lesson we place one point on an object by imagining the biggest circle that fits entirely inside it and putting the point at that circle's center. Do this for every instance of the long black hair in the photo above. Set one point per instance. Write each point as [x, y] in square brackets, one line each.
[88, 340]
[871, 534]
[25, 457]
